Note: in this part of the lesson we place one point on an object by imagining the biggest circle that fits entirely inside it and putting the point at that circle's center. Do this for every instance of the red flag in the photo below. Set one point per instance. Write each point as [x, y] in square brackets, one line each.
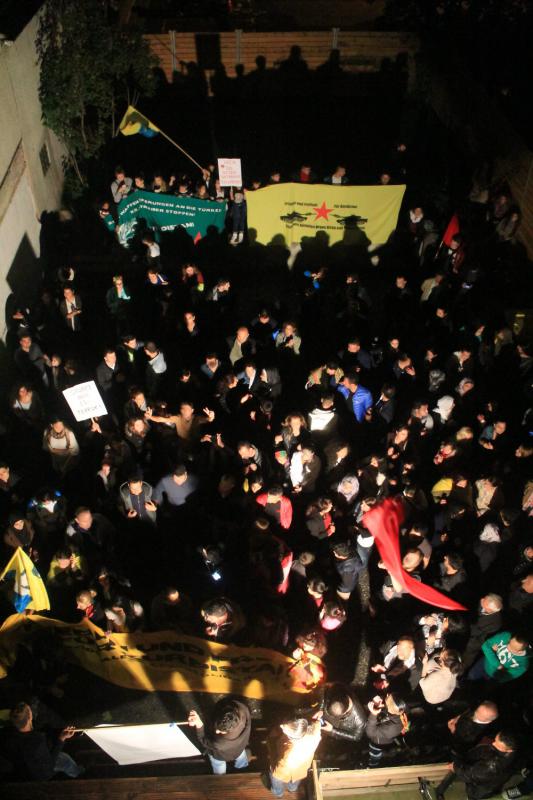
[286, 564]
[383, 522]
[451, 230]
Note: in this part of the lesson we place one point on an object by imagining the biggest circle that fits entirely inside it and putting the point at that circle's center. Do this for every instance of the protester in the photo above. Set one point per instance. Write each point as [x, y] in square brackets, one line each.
[484, 769]
[33, 754]
[228, 493]
[291, 746]
[226, 736]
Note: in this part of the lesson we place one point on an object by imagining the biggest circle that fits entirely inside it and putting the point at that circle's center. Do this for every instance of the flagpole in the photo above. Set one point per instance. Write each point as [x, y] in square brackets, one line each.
[185, 153]
[105, 727]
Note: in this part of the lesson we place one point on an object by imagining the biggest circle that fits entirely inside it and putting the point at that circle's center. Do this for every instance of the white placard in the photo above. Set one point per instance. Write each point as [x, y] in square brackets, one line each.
[229, 172]
[137, 744]
[85, 401]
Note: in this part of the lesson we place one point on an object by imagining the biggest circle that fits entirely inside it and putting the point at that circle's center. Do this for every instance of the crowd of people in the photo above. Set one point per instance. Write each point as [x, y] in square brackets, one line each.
[224, 493]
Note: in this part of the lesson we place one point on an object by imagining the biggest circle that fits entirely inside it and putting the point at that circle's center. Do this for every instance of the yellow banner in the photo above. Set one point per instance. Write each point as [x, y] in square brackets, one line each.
[286, 213]
[163, 661]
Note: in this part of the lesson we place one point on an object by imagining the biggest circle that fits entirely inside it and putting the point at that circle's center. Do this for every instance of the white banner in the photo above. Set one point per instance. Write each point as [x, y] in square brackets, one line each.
[229, 172]
[85, 401]
[137, 744]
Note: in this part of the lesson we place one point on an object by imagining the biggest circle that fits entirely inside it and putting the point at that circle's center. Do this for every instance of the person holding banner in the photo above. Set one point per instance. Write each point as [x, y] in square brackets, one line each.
[121, 186]
[33, 754]
[226, 735]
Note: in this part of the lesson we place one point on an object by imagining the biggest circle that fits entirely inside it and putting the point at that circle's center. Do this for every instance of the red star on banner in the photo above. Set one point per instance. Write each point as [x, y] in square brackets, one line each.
[322, 212]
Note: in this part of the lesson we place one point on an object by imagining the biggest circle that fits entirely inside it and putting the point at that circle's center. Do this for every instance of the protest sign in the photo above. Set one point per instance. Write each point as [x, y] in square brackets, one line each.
[229, 172]
[85, 401]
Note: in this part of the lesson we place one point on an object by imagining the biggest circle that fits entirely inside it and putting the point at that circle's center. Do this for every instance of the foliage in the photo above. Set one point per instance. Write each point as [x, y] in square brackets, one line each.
[448, 14]
[90, 71]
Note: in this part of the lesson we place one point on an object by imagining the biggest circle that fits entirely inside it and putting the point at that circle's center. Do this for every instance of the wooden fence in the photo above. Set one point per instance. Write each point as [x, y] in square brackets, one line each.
[359, 51]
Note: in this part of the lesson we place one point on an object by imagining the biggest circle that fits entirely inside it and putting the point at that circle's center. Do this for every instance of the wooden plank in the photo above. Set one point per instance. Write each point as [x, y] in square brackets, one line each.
[194, 787]
[392, 792]
[349, 779]
[315, 777]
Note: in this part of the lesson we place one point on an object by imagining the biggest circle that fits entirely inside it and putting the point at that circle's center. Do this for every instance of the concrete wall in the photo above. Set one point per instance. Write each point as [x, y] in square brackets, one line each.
[25, 191]
[359, 51]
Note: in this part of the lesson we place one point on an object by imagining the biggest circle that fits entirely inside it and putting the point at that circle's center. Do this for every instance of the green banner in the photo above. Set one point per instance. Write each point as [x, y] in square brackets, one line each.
[165, 212]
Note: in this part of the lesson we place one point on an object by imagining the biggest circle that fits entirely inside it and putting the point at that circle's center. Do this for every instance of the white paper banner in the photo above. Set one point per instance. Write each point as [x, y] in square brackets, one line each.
[85, 401]
[229, 172]
[137, 744]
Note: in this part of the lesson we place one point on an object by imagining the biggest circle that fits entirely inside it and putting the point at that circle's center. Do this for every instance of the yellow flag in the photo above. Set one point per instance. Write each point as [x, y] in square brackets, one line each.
[25, 586]
[134, 122]
[286, 213]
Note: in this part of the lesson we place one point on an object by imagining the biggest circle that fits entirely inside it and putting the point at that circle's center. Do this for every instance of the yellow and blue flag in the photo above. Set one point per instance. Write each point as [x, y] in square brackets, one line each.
[134, 122]
[25, 586]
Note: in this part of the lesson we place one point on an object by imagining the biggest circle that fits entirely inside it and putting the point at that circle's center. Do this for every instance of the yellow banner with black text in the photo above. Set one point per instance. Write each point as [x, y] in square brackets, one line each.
[288, 213]
[162, 661]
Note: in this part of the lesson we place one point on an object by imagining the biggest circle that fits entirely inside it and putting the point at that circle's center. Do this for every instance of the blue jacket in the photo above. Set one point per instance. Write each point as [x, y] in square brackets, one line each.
[360, 400]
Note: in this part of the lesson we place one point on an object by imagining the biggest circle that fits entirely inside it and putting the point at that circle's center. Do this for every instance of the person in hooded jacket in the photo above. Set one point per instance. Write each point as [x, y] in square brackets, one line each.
[270, 385]
[226, 734]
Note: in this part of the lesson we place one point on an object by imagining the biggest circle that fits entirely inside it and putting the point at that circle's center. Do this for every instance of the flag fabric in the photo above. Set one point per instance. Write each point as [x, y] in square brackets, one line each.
[355, 215]
[24, 584]
[165, 212]
[383, 521]
[134, 122]
[451, 230]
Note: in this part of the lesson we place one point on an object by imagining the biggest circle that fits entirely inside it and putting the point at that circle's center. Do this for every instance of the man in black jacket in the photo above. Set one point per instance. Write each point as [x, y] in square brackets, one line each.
[488, 622]
[344, 716]
[484, 769]
[384, 725]
[93, 535]
[33, 755]
[521, 598]
[467, 729]
[226, 734]
[348, 566]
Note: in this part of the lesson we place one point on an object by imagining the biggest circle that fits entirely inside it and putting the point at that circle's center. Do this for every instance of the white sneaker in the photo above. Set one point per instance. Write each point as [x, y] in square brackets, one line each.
[240, 237]
[513, 793]
[233, 239]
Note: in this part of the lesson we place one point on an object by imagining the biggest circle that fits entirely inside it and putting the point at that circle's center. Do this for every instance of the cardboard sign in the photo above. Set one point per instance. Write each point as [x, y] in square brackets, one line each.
[85, 401]
[229, 172]
[137, 744]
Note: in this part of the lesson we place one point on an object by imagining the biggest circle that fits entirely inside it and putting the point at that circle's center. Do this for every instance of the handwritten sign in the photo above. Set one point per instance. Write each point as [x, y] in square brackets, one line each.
[85, 401]
[229, 171]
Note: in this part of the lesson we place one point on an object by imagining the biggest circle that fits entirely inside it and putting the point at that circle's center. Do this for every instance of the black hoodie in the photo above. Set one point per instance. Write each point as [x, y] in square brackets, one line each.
[227, 746]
